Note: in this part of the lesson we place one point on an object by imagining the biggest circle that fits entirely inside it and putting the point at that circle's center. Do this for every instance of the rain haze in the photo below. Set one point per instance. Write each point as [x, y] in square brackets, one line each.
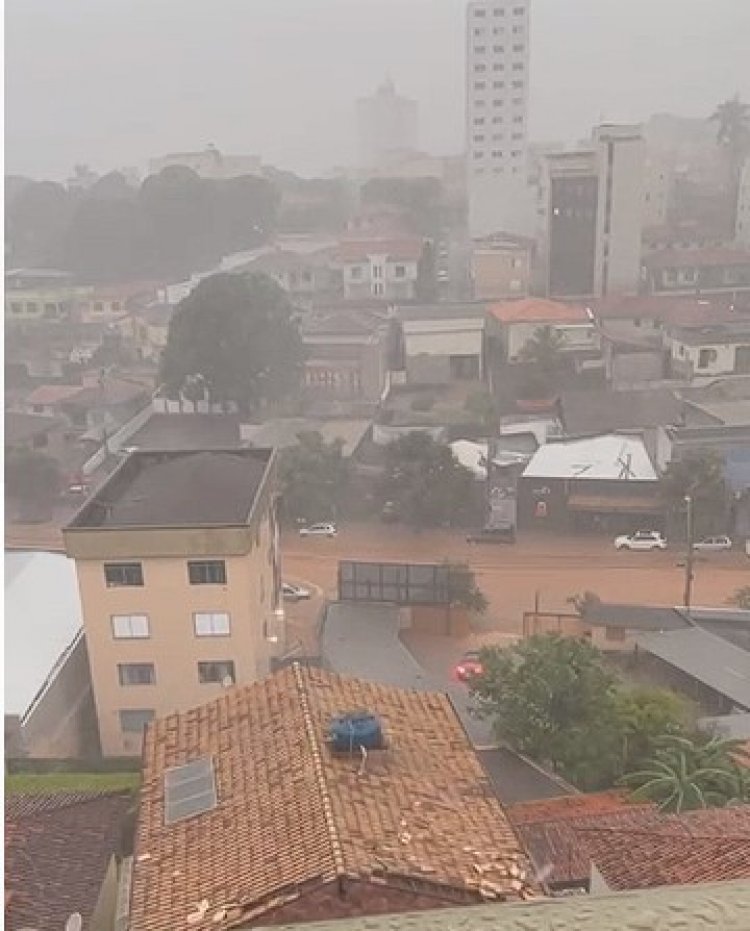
[115, 82]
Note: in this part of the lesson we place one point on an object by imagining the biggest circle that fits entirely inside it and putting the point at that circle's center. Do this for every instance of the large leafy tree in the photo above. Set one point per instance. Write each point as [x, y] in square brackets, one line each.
[685, 774]
[463, 588]
[236, 337]
[699, 475]
[314, 477]
[741, 598]
[420, 198]
[732, 118]
[427, 484]
[552, 698]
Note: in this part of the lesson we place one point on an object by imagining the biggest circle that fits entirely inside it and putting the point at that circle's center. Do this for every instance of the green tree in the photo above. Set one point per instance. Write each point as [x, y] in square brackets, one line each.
[481, 404]
[33, 479]
[699, 474]
[426, 284]
[645, 715]
[546, 363]
[237, 336]
[314, 476]
[463, 588]
[420, 198]
[428, 485]
[733, 135]
[685, 774]
[552, 698]
[741, 598]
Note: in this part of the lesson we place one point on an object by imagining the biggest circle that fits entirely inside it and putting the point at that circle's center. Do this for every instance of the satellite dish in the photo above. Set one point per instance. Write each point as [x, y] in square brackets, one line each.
[226, 683]
[74, 922]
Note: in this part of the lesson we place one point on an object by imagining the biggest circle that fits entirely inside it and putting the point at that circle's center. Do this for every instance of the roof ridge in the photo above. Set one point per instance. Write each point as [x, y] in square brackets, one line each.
[320, 779]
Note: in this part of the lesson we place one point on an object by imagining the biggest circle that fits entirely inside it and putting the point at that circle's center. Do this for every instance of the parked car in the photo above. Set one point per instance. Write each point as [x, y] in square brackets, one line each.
[468, 666]
[318, 530]
[292, 592]
[493, 535]
[713, 544]
[642, 540]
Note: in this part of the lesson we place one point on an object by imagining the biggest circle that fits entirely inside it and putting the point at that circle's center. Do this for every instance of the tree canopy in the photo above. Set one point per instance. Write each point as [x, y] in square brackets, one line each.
[33, 479]
[552, 698]
[314, 476]
[174, 224]
[700, 475]
[425, 481]
[235, 337]
[420, 197]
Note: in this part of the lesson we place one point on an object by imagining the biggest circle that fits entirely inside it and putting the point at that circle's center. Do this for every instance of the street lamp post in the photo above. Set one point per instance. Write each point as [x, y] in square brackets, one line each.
[689, 558]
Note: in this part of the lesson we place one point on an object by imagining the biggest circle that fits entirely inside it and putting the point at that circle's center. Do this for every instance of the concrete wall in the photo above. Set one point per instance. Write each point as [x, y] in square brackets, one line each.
[428, 369]
[625, 369]
[500, 273]
[61, 723]
[686, 359]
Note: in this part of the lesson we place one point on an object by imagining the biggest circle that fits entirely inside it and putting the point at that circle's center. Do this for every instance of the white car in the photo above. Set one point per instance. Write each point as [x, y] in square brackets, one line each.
[318, 530]
[641, 540]
[292, 592]
[713, 544]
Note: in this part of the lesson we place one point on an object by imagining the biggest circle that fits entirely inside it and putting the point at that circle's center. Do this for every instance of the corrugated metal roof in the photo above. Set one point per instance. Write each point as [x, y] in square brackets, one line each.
[609, 458]
[714, 662]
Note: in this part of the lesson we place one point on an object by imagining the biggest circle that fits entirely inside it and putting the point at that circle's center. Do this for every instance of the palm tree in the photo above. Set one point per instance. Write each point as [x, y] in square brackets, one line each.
[733, 134]
[685, 775]
[544, 350]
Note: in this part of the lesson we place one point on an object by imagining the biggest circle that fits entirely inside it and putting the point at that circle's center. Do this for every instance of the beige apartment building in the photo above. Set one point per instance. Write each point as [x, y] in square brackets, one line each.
[178, 567]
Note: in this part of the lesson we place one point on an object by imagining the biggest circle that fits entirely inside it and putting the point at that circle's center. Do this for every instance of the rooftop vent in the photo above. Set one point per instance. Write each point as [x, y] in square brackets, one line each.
[353, 730]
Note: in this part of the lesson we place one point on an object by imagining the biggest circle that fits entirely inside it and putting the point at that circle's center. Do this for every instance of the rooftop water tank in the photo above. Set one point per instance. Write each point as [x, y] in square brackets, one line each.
[354, 729]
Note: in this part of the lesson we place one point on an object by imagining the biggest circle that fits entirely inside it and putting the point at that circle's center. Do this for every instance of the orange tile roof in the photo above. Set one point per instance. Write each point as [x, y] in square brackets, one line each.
[633, 844]
[53, 394]
[292, 816]
[538, 310]
[711, 845]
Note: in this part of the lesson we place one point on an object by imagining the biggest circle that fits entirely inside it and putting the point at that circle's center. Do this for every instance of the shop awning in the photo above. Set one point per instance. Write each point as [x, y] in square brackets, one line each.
[603, 504]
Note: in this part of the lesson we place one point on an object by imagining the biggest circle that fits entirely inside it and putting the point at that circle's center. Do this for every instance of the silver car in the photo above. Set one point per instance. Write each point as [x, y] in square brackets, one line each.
[318, 530]
[713, 544]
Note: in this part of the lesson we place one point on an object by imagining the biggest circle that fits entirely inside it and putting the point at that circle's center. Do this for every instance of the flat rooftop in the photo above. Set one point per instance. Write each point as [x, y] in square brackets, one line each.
[178, 488]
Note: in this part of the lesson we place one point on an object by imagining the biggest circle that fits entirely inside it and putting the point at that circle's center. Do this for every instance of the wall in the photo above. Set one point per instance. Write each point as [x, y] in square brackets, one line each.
[428, 369]
[500, 273]
[61, 724]
[170, 601]
[627, 368]
[583, 336]
[686, 359]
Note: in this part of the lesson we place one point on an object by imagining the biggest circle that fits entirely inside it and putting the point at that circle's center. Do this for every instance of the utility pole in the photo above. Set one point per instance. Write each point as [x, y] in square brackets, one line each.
[689, 558]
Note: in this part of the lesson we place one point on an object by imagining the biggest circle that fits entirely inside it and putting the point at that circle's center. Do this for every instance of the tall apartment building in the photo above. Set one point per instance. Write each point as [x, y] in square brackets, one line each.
[178, 567]
[387, 124]
[497, 100]
[742, 233]
[592, 204]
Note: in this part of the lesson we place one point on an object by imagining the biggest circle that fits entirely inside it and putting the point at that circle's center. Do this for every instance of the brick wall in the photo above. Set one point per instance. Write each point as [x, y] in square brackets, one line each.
[328, 902]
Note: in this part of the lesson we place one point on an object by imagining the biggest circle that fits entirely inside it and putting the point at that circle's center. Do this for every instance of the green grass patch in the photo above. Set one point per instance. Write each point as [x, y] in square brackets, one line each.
[50, 783]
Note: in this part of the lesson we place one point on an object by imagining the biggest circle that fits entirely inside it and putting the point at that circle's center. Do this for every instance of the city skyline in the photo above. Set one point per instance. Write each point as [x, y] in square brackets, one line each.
[167, 91]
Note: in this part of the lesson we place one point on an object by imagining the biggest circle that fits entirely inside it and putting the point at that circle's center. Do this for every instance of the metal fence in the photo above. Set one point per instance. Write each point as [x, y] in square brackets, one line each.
[394, 583]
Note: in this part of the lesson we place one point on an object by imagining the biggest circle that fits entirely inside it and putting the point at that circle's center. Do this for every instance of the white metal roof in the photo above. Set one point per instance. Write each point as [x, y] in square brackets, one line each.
[42, 619]
[608, 457]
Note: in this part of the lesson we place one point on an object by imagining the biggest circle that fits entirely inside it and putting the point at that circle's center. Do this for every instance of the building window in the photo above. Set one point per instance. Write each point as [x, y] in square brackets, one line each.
[136, 673]
[479, 85]
[123, 573]
[115, 307]
[400, 271]
[498, 49]
[98, 307]
[130, 626]
[479, 121]
[707, 357]
[31, 307]
[518, 84]
[497, 153]
[518, 119]
[519, 48]
[133, 720]
[355, 272]
[498, 66]
[479, 31]
[518, 11]
[498, 30]
[17, 309]
[518, 136]
[518, 66]
[480, 13]
[480, 49]
[497, 119]
[499, 11]
[479, 67]
[207, 572]
[478, 103]
[377, 289]
[211, 624]
[498, 85]
[216, 671]
[377, 271]
[50, 311]
[517, 30]
[497, 137]
[479, 138]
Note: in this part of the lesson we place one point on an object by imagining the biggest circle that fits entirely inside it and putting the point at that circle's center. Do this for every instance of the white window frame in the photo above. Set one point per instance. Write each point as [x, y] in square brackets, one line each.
[130, 626]
[207, 624]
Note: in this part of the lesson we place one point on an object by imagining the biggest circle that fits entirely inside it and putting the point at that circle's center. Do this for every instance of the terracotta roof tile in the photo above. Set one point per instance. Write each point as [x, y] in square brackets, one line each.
[538, 310]
[291, 815]
[57, 851]
[359, 250]
[53, 394]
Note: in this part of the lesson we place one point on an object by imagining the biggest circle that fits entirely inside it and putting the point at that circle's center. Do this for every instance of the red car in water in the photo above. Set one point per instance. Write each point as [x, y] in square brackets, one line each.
[468, 666]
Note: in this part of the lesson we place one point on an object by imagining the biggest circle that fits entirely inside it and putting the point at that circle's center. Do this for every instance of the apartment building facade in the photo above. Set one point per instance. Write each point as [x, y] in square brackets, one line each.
[497, 101]
[386, 124]
[380, 268]
[592, 204]
[178, 568]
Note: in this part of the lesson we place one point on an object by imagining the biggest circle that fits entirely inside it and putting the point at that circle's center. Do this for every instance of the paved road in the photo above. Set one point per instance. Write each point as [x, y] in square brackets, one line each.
[511, 576]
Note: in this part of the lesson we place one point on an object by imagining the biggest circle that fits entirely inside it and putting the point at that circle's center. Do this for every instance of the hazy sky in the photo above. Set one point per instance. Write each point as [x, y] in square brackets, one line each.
[114, 82]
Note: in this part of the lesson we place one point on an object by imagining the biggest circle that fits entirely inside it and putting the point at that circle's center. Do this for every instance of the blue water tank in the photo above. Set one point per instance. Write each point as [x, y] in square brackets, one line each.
[348, 732]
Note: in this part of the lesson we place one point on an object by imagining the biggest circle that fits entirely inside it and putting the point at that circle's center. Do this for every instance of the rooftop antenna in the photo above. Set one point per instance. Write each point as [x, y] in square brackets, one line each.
[74, 922]
[624, 461]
